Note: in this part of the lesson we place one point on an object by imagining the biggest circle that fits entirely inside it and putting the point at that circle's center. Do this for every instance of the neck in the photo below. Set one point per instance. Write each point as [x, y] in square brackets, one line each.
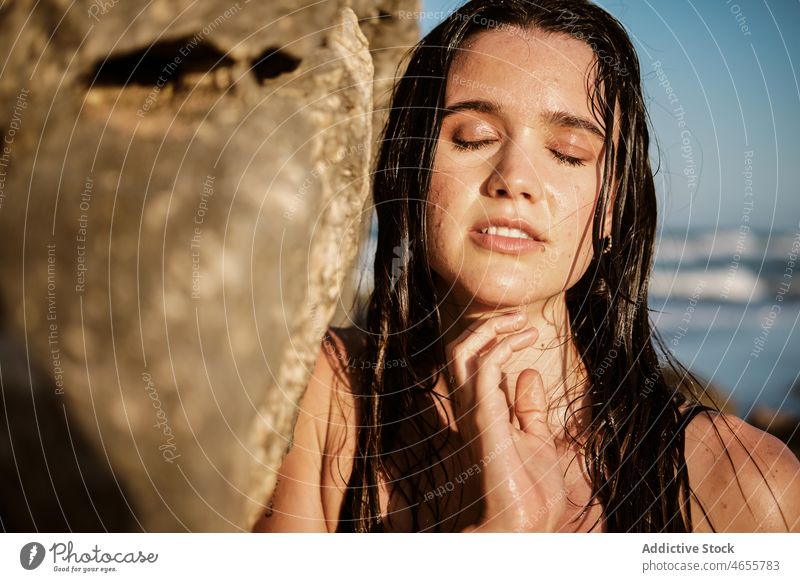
[554, 354]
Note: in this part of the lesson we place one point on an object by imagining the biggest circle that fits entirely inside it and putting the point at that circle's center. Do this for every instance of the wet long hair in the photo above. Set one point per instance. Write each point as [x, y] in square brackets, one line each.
[634, 441]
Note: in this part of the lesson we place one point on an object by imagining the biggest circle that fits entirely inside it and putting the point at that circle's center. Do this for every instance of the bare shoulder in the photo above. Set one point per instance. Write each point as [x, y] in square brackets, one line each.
[743, 479]
[329, 394]
[346, 345]
[302, 497]
[343, 347]
[332, 375]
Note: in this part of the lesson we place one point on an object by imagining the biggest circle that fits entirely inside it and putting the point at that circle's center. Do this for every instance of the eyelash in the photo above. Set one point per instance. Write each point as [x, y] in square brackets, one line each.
[469, 145]
[474, 145]
[568, 160]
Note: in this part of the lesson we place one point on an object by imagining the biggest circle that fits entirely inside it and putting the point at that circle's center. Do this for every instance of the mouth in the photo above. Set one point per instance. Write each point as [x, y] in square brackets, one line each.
[506, 231]
[507, 235]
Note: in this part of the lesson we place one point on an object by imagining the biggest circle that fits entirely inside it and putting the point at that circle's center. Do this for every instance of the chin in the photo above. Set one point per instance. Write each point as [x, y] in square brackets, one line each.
[501, 281]
[495, 291]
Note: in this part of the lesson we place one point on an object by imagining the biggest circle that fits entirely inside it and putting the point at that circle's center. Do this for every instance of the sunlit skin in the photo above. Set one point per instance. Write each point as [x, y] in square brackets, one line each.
[518, 139]
[521, 162]
[535, 155]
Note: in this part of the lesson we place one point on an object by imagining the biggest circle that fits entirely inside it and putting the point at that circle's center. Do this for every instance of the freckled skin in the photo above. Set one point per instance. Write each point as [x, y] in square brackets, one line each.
[521, 161]
[516, 173]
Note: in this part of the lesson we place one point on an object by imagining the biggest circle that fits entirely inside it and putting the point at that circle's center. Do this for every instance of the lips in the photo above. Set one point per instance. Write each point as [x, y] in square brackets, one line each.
[507, 222]
[505, 235]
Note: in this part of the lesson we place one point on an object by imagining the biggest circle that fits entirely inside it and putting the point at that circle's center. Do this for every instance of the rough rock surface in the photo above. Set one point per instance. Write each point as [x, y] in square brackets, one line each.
[181, 191]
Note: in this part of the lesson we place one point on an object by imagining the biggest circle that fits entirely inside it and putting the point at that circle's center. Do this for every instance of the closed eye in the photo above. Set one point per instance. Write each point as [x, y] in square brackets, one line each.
[463, 145]
[565, 159]
[460, 144]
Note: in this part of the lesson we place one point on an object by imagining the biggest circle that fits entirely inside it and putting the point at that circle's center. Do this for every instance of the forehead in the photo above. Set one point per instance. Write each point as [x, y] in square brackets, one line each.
[525, 70]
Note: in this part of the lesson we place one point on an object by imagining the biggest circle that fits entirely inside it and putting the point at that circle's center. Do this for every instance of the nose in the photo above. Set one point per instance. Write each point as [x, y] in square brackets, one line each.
[514, 174]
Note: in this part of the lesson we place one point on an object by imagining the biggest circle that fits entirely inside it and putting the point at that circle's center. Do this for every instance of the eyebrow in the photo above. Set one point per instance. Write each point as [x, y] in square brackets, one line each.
[550, 117]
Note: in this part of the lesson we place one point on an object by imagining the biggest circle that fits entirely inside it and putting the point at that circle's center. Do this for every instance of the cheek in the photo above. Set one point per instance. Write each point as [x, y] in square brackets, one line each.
[580, 235]
[438, 222]
[447, 217]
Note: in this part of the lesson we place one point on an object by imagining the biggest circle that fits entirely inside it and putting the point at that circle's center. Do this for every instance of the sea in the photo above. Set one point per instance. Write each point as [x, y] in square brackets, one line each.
[726, 302]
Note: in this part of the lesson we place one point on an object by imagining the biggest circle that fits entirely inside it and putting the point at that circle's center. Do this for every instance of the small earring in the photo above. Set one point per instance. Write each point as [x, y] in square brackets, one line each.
[607, 244]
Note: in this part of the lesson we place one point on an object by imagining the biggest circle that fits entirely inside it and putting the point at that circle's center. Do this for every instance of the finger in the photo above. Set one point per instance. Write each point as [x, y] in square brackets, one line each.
[508, 388]
[490, 397]
[482, 331]
[530, 405]
[475, 338]
[501, 353]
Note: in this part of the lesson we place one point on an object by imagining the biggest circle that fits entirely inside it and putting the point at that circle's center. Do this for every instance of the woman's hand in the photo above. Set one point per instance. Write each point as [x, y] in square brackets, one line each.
[522, 483]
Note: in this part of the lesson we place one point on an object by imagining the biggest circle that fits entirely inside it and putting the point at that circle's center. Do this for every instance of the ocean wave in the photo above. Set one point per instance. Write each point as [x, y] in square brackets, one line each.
[725, 245]
[730, 285]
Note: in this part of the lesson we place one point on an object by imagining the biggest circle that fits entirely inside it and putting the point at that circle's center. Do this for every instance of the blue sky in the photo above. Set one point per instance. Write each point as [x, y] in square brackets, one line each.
[733, 67]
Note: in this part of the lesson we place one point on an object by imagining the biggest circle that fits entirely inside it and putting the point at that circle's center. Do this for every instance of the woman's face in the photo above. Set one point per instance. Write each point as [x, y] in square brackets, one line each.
[518, 142]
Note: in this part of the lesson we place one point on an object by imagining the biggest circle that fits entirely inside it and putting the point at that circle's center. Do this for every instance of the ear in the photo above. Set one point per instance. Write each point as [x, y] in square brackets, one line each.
[609, 211]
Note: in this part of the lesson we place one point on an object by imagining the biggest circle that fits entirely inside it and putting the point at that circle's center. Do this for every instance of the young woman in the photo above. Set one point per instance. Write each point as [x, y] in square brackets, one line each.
[506, 377]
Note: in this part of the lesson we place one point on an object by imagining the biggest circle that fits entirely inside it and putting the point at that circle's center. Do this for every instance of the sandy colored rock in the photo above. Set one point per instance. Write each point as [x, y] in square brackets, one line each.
[183, 187]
